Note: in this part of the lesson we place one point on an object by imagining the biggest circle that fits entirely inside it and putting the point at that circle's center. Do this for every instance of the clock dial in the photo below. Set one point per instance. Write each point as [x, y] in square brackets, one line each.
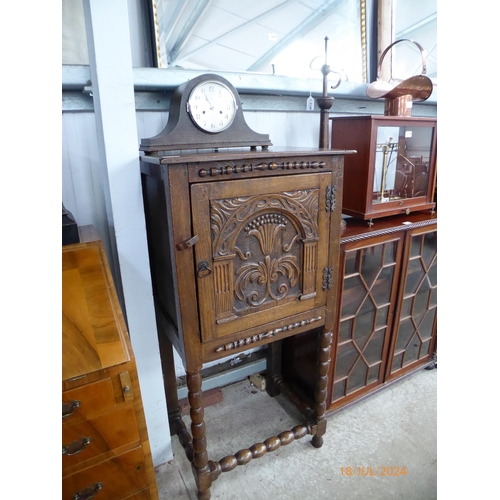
[212, 106]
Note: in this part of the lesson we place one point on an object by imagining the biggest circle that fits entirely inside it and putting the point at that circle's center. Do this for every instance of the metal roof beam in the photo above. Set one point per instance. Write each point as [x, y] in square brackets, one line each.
[404, 33]
[255, 19]
[186, 30]
[302, 29]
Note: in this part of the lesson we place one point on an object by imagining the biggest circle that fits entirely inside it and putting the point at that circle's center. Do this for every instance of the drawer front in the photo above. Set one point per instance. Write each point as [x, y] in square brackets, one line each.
[263, 245]
[94, 437]
[115, 479]
[87, 401]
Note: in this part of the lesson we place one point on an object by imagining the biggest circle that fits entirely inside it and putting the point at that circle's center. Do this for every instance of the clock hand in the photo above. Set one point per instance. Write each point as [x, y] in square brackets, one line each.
[208, 100]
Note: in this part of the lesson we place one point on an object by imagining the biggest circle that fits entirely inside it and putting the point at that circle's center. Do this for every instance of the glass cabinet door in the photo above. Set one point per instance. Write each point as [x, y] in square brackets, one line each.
[369, 291]
[415, 329]
[402, 162]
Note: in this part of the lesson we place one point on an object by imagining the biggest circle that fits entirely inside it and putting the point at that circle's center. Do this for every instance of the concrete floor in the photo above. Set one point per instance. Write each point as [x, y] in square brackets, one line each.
[396, 428]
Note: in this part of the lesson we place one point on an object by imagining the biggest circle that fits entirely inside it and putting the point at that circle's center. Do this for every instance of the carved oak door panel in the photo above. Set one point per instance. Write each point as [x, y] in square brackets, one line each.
[263, 244]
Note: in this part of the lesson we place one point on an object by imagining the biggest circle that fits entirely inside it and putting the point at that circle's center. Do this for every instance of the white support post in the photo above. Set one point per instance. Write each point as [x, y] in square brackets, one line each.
[108, 37]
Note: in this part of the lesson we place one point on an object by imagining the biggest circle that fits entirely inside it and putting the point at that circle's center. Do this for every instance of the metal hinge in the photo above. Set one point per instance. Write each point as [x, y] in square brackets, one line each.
[327, 278]
[331, 194]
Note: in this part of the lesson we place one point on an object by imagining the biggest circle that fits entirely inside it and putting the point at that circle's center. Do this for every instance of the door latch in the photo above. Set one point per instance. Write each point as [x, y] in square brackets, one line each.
[187, 243]
[203, 269]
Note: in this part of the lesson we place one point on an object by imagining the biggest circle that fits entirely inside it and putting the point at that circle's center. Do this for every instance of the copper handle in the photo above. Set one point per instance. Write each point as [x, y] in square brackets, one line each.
[69, 408]
[76, 447]
[422, 53]
[87, 493]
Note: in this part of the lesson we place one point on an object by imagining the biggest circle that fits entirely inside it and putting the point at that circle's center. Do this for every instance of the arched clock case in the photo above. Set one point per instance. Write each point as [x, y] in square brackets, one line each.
[205, 113]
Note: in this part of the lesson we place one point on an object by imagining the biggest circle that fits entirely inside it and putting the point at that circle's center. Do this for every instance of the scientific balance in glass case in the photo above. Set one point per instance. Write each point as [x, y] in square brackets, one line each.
[394, 169]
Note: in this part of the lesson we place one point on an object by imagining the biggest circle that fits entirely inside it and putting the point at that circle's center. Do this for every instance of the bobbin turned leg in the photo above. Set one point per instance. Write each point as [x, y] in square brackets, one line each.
[200, 466]
[323, 363]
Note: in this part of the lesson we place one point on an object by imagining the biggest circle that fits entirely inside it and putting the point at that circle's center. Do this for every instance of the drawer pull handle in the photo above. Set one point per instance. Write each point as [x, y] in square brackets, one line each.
[69, 408]
[75, 447]
[203, 269]
[87, 493]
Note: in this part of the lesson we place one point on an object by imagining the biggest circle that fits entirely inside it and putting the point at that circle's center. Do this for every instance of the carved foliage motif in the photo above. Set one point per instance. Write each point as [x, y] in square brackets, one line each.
[227, 216]
[267, 230]
[260, 242]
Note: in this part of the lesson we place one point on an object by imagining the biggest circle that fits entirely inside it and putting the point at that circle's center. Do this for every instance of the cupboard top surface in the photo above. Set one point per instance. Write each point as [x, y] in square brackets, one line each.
[357, 228]
[173, 157]
[388, 119]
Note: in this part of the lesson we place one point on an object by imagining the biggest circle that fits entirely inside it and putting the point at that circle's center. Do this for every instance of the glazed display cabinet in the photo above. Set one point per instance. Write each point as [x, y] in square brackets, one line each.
[386, 321]
[394, 170]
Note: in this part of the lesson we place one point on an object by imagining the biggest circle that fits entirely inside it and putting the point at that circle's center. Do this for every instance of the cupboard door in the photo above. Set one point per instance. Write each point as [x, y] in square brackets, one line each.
[263, 244]
[415, 322]
[370, 280]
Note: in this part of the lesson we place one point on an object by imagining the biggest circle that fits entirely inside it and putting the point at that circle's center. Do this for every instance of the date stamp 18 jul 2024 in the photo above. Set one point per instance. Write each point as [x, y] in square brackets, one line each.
[373, 471]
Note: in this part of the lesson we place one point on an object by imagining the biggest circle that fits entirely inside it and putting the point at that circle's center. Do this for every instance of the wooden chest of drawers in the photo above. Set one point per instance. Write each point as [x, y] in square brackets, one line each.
[105, 445]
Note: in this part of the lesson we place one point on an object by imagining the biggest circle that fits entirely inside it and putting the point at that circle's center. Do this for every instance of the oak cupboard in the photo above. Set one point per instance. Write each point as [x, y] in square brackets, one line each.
[105, 446]
[244, 249]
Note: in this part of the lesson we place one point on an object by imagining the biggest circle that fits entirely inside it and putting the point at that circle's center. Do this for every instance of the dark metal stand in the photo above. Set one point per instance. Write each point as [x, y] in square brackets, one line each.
[325, 103]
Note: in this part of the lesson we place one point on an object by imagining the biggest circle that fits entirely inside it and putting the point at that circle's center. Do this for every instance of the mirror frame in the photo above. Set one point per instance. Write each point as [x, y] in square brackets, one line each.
[367, 32]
